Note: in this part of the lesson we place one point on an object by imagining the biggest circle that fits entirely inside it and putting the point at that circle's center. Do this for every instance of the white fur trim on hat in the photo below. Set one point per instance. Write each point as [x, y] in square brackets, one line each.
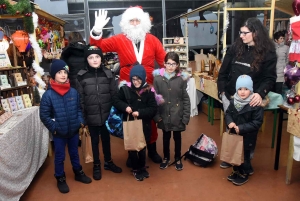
[138, 13]
[133, 12]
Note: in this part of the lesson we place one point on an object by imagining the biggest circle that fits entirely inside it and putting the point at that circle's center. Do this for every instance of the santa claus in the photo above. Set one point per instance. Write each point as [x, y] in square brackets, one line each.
[134, 44]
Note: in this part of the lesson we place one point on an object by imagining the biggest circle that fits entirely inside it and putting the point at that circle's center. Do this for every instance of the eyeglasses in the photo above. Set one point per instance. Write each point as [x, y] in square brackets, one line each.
[171, 64]
[244, 32]
[136, 80]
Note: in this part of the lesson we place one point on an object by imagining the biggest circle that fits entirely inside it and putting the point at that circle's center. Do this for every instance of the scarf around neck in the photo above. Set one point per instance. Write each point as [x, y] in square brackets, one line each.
[240, 103]
[61, 89]
[169, 75]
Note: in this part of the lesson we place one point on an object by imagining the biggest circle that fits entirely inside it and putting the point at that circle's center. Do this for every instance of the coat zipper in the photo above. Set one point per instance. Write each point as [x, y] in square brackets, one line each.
[97, 88]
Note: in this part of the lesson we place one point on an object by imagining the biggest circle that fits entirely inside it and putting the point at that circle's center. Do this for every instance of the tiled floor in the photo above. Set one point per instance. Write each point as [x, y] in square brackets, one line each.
[192, 183]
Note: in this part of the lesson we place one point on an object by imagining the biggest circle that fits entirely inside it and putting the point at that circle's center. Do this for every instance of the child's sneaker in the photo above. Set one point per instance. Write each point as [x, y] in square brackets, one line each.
[233, 175]
[111, 166]
[240, 179]
[178, 165]
[225, 165]
[251, 172]
[144, 172]
[138, 175]
[164, 164]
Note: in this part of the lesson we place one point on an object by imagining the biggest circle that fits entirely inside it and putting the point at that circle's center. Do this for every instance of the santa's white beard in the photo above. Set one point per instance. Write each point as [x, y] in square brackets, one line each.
[134, 33]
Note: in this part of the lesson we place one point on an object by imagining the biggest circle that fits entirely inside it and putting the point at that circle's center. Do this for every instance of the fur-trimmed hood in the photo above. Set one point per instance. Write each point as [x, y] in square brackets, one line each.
[159, 99]
[160, 72]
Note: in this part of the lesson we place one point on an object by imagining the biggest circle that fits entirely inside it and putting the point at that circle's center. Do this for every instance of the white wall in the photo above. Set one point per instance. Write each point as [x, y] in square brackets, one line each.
[201, 35]
[53, 7]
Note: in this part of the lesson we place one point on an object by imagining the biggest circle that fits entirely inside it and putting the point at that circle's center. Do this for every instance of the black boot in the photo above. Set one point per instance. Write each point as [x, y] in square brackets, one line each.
[153, 154]
[80, 176]
[128, 162]
[62, 184]
[97, 172]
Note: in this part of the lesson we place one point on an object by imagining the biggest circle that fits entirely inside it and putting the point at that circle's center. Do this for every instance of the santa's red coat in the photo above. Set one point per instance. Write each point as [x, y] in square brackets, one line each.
[153, 50]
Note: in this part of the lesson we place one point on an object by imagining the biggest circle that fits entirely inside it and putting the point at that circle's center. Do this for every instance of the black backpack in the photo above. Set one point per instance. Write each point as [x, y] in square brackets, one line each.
[202, 152]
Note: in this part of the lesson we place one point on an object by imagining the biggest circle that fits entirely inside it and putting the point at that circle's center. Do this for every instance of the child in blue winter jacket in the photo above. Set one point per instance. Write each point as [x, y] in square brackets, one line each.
[61, 114]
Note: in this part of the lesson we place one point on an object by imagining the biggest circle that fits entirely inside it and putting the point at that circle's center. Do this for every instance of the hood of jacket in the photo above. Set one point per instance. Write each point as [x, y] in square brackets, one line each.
[76, 49]
[159, 99]
[160, 72]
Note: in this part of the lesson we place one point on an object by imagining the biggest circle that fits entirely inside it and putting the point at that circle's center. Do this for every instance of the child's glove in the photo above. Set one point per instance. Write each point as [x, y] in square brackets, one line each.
[100, 21]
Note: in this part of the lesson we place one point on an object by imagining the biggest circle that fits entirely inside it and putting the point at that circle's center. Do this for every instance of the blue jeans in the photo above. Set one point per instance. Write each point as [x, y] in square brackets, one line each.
[59, 149]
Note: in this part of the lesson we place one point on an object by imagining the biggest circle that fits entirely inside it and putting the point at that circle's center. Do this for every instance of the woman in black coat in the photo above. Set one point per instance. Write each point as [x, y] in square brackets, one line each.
[253, 54]
[73, 55]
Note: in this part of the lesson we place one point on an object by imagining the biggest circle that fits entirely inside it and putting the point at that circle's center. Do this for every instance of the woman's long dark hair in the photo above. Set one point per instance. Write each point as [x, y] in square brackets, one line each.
[75, 37]
[262, 42]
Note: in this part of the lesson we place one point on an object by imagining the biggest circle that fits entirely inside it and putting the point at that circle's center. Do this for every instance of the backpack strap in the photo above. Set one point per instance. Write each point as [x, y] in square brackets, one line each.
[179, 158]
[127, 94]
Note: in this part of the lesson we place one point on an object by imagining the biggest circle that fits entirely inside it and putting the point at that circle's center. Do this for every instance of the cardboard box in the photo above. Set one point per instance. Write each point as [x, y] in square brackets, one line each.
[217, 111]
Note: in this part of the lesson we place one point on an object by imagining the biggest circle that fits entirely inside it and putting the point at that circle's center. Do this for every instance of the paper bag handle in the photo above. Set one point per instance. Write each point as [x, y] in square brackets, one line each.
[229, 131]
[135, 118]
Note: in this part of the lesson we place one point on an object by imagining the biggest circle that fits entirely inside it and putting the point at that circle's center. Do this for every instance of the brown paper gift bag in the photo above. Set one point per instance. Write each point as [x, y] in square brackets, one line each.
[86, 145]
[293, 125]
[134, 138]
[232, 150]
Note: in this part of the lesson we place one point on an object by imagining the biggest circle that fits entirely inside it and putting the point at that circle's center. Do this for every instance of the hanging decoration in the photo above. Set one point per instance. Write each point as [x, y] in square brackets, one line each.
[20, 39]
[38, 51]
[211, 30]
[23, 7]
[225, 28]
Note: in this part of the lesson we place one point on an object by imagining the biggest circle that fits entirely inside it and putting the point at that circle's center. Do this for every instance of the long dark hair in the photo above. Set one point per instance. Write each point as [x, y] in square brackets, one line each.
[173, 56]
[262, 42]
[75, 37]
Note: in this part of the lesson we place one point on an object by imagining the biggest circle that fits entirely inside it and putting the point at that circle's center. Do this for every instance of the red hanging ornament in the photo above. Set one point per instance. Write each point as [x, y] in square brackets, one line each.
[17, 12]
[20, 39]
[297, 98]
[3, 6]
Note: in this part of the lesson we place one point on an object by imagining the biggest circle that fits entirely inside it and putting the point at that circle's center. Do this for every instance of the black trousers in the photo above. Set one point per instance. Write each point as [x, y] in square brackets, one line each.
[95, 131]
[138, 158]
[166, 143]
[245, 167]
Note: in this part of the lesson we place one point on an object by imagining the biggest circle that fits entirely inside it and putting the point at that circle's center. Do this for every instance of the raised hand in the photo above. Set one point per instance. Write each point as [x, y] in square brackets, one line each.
[101, 20]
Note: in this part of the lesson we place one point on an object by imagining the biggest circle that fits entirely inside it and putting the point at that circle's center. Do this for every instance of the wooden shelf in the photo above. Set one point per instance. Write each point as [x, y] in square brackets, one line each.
[14, 88]
[184, 62]
[174, 45]
[11, 68]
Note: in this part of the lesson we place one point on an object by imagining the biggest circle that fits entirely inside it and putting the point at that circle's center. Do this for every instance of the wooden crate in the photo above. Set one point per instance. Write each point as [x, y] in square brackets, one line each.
[217, 111]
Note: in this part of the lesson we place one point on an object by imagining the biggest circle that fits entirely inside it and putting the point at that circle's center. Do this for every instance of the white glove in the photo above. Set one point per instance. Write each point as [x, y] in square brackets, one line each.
[100, 21]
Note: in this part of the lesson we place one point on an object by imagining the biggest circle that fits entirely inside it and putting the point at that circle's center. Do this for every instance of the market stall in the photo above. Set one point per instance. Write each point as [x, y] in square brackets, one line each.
[27, 33]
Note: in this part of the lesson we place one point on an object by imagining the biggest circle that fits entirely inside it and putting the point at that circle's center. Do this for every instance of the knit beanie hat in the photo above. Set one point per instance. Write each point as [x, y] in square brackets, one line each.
[244, 81]
[92, 49]
[56, 66]
[139, 71]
